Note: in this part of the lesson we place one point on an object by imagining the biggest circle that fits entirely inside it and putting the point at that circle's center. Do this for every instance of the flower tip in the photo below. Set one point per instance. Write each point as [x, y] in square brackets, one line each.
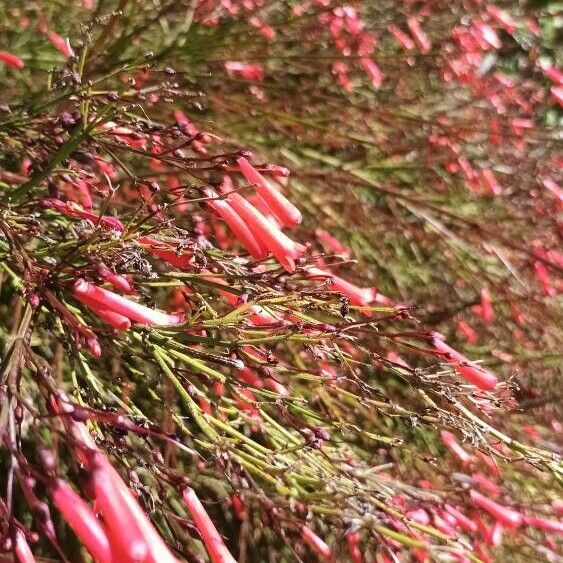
[80, 286]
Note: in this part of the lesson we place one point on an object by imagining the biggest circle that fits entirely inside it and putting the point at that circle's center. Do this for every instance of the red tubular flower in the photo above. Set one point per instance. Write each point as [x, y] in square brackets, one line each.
[238, 506]
[83, 521]
[491, 182]
[488, 34]
[79, 192]
[480, 552]
[118, 281]
[358, 295]
[261, 317]
[167, 252]
[495, 534]
[443, 525]
[542, 275]
[449, 440]
[373, 71]
[478, 376]
[249, 71]
[557, 94]
[130, 309]
[263, 207]
[94, 346]
[401, 38]
[132, 537]
[72, 209]
[11, 60]
[354, 551]
[503, 18]
[283, 209]
[555, 526]
[340, 69]
[22, 549]
[277, 170]
[116, 320]
[554, 74]
[332, 244]
[281, 246]
[419, 36]
[316, 544]
[461, 520]
[467, 331]
[487, 312]
[62, 45]
[258, 315]
[237, 225]
[484, 483]
[213, 541]
[276, 387]
[488, 460]
[419, 515]
[504, 515]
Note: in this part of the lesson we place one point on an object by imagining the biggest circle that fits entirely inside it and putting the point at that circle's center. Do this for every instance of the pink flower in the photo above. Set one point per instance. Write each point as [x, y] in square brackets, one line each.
[358, 295]
[478, 376]
[419, 36]
[449, 440]
[504, 515]
[283, 209]
[213, 541]
[98, 297]
[281, 246]
[322, 550]
[83, 521]
[11, 60]
[237, 225]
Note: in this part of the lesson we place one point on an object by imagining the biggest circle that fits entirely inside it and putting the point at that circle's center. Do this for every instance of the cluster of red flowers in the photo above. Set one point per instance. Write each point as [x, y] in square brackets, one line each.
[282, 385]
